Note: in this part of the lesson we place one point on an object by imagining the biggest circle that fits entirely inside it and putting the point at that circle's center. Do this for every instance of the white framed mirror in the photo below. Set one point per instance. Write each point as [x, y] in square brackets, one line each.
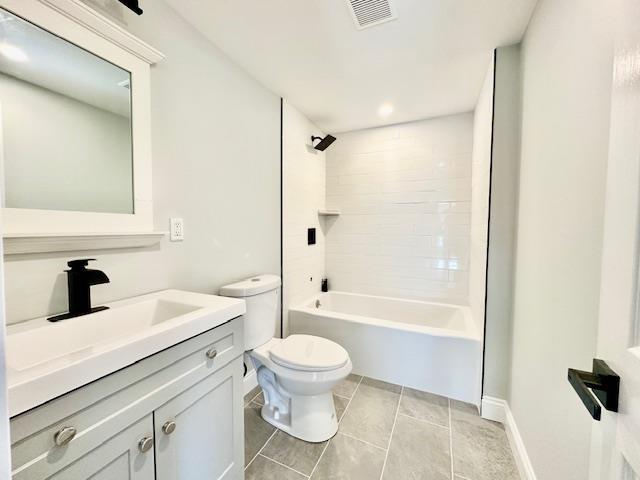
[75, 132]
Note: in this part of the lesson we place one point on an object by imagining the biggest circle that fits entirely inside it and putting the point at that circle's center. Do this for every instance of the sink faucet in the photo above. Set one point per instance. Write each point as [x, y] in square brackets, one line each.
[79, 281]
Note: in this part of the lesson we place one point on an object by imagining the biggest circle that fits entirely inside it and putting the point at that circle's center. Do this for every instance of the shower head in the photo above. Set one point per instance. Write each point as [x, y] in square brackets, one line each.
[324, 142]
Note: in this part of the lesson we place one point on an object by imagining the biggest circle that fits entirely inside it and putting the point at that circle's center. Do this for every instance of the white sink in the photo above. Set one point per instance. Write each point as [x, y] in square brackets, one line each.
[45, 359]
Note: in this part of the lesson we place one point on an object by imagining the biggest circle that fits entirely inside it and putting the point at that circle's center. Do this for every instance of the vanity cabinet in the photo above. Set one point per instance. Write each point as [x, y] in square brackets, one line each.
[117, 459]
[175, 415]
[200, 445]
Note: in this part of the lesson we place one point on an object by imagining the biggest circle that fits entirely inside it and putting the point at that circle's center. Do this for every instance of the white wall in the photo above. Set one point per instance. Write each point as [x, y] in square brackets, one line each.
[216, 157]
[62, 154]
[5, 442]
[404, 192]
[303, 180]
[505, 160]
[480, 189]
[567, 71]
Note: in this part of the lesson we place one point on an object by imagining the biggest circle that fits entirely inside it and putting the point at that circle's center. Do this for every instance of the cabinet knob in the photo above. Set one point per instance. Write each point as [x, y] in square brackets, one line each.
[64, 436]
[145, 444]
[211, 353]
[169, 427]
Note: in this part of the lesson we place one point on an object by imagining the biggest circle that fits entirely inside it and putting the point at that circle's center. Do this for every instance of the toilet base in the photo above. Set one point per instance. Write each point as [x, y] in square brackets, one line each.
[310, 418]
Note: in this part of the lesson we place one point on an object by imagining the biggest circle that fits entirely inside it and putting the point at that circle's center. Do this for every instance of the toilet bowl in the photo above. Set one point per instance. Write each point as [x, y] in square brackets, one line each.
[297, 373]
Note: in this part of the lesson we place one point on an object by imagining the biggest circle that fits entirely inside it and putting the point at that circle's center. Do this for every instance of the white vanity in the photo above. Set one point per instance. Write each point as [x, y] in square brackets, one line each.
[149, 389]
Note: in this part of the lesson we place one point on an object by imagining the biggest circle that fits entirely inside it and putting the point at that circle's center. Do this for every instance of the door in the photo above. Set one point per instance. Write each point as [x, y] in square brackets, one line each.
[119, 458]
[199, 434]
[615, 450]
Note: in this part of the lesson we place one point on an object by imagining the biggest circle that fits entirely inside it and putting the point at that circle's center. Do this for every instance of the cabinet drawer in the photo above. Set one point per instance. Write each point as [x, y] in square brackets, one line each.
[107, 406]
[119, 457]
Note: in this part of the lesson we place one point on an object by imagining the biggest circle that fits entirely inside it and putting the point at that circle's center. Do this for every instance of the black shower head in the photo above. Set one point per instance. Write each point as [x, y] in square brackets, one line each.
[324, 142]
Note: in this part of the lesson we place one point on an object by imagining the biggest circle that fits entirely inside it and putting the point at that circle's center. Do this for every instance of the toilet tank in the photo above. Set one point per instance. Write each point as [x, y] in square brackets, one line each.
[262, 296]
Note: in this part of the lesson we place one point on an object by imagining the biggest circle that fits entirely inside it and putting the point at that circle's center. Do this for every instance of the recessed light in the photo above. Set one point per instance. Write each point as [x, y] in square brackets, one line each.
[385, 110]
[13, 53]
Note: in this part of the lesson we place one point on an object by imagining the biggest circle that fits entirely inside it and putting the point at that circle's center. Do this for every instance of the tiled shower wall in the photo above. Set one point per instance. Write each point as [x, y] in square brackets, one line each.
[404, 193]
[303, 188]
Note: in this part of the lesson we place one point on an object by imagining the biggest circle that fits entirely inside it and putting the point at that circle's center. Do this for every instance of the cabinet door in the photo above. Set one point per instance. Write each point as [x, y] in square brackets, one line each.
[207, 442]
[119, 458]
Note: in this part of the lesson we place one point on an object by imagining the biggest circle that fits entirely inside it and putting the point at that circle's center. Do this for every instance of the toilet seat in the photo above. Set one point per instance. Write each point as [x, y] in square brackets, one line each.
[309, 353]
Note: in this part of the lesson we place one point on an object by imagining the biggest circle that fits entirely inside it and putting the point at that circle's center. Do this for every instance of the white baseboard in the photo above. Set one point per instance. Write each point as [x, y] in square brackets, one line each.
[498, 410]
[250, 381]
[494, 409]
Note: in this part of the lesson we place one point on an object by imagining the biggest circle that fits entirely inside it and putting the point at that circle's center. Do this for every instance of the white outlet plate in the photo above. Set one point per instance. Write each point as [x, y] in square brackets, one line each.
[177, 230]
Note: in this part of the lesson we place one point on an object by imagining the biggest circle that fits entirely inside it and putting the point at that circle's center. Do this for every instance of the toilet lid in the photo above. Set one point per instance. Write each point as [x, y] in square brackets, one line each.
[310, 353]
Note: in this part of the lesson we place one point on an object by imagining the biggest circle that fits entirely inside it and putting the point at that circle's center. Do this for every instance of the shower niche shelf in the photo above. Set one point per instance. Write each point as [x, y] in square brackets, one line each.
[328, 212]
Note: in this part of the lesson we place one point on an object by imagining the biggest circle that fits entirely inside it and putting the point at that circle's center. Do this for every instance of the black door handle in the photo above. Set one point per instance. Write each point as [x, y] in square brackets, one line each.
[603, 382]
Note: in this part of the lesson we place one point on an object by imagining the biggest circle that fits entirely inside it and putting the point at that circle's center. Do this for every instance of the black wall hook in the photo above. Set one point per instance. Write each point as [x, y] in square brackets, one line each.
[132, 5]
[602, 384]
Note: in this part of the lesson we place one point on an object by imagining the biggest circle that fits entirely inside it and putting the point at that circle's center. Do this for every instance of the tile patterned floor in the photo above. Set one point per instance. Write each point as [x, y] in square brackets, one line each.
[386, 432]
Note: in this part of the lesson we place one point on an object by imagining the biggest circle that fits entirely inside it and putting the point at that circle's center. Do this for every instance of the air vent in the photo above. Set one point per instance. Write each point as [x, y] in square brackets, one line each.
[368, 13]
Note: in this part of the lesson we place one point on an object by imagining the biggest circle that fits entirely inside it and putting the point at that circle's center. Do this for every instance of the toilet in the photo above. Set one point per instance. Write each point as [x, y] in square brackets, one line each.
[296, 374]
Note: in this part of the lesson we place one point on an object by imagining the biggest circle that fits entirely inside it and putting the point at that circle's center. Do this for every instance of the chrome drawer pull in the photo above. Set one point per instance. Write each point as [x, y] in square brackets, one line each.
[64, 436]
[211, 353]
[145, 444]
[169, 427]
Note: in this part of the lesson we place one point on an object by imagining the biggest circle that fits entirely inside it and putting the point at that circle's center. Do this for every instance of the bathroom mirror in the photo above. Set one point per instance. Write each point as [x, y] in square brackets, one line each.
[65, 124]
[76, 173]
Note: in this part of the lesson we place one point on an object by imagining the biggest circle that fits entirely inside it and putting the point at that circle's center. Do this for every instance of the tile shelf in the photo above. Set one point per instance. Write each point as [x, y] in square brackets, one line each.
[329, 212]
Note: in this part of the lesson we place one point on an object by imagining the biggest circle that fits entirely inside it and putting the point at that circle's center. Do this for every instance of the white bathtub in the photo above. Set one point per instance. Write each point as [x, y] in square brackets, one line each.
[428, 346]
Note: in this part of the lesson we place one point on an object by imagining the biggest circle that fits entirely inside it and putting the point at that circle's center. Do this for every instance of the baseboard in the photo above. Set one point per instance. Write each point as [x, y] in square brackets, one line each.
[494, 409]
[498, 410]
[250, 381]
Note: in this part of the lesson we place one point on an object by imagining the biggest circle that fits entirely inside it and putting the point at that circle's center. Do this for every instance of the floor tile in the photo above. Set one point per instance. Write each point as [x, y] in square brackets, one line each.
[349, 459]
[264, 469]
[256, 431]
[348, 386]
[251, 395]
[341, 404]
[292, 452]
[480, 447]
[418, 450]
[425, 406]
[372, 411]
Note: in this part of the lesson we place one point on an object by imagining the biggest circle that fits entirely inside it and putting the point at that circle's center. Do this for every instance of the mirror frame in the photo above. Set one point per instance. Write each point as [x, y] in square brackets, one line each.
[79, 24]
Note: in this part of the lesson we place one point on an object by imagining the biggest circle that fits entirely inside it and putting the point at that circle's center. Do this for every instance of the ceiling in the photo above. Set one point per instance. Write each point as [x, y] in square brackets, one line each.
[60, 66]
[429, 62]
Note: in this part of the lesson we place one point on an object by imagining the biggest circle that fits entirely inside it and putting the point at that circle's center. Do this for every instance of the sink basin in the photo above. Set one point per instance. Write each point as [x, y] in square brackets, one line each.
[45, 360]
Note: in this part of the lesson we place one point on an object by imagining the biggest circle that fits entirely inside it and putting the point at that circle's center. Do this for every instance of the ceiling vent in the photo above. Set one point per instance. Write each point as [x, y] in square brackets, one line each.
[368, 13]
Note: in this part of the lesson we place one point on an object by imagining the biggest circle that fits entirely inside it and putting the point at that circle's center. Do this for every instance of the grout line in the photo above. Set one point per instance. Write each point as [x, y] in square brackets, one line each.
[256, 396]
[350, 399]
[422, 420]
[247, 402]
[339, 421]
[395, 420]
[451, 439]
[342, 396]
[320, 458]
[363, 441]
[260, 451]
[283, 465]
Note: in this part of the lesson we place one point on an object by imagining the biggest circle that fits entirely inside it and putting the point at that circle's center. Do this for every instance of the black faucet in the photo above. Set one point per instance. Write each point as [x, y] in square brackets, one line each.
[79, 280]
